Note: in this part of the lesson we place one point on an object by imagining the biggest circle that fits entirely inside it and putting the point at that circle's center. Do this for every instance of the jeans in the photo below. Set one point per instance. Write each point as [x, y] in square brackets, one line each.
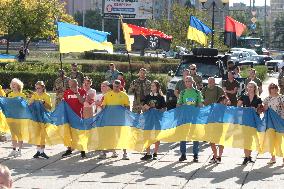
[195, 148]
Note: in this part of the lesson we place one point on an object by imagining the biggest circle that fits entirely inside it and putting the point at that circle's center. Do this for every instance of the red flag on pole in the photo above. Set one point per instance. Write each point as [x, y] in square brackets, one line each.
[233, 29]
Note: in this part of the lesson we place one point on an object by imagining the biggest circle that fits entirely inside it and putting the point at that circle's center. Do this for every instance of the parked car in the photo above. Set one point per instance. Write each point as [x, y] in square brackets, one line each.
[256, 60]
[275, 63]
[250, 51]
[237, 56]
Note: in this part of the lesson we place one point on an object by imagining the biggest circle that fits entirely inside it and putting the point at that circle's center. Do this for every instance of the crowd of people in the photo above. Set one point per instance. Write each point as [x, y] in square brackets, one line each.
[78, 93]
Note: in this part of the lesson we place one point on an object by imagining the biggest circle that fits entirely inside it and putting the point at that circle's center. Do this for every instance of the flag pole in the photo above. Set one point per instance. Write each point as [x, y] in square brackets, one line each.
[60, 55]
[128, 55]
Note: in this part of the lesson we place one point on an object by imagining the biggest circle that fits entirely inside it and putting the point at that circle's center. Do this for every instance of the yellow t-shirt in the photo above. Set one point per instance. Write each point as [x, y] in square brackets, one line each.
[111, 99]
[43, 97]
[16, 94]
[2, 92]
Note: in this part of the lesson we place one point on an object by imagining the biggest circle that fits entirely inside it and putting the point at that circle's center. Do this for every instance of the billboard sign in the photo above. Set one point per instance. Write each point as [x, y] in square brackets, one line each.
[129, 9]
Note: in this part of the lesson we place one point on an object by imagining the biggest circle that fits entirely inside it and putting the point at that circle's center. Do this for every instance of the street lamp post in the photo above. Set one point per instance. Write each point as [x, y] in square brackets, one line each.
[213, 5]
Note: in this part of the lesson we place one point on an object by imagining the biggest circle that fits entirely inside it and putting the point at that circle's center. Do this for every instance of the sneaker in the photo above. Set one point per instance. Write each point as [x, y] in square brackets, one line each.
[67, 153]
[125, 157]
[218, 159]
[19, 153]
[114, 155]
[83, 154]
[182, 157]
[213, 160]
[154, 156]
[246, 160]
[44, 155]
[37, 154]
[146, 157]
[195, 159]
[102, 155]
[13, 153]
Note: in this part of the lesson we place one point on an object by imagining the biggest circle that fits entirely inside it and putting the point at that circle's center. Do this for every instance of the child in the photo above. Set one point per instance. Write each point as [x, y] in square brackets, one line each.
[122, 80]
[41, 95]
[217, 159]
[16, 86]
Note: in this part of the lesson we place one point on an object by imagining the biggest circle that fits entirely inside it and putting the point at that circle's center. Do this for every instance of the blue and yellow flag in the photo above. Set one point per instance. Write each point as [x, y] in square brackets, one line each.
[73, 38]
[7, 58]
[198, 31]
[118, 128]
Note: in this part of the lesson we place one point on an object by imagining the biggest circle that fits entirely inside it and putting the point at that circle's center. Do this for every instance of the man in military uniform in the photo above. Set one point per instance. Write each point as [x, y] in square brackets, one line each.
[281, 80]
[75, 74]
[197, 78]
[60, 85]
[252, 77]
[140, 87]
[112, 73]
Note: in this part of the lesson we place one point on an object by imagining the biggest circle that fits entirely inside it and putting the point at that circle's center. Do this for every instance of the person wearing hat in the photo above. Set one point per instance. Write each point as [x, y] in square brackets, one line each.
[116, 97]
[41, 96]
[76, 74]
[60, 85]
[140, 87]
[281, 80]
[112, 73]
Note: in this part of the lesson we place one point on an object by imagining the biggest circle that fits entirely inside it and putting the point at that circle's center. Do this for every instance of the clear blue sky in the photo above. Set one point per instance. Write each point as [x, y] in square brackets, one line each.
[257, 2]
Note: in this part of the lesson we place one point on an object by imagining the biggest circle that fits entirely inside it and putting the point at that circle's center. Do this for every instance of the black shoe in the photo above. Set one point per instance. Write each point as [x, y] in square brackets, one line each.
[83, 154]
[154, 156]
[250, 160]
[182, 157]
[37, 154]
[246, 160]
[195, 159]
[67, 153]
[218, 159]
[146, 157]
[44, 155]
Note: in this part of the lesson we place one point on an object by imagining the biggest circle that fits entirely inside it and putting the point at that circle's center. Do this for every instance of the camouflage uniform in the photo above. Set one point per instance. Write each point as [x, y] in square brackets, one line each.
[281, 82]
[79, 76]
[198, 81]
[59, 88]
[140, 89]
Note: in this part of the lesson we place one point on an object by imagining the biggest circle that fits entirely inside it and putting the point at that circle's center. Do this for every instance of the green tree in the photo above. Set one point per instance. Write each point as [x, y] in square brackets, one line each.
[33, 19]
[178, 26]
[278, 35]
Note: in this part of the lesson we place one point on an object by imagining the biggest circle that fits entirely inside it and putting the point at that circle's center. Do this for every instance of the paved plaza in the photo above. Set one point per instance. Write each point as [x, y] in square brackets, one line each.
[166, 172]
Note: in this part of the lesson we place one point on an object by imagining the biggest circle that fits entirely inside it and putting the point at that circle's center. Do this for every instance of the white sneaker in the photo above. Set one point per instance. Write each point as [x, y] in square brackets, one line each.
[19, 153]
[114, 155]
[102, 155]
[13, 153]
[125, 157]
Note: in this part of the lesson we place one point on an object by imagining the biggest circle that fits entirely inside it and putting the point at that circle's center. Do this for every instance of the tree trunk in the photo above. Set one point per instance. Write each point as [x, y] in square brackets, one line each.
[8, 43]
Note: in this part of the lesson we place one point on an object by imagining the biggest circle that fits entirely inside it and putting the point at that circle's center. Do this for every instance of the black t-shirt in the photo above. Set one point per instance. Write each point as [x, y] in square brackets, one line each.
[247, 103]
[155, 101]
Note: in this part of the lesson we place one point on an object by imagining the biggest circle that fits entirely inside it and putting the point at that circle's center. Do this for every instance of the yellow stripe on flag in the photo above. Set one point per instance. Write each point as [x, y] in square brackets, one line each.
[196, 35]
[81, 44]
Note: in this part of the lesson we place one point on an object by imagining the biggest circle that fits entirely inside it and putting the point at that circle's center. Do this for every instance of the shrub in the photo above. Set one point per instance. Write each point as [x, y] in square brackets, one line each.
[124, 58]
[261, 72]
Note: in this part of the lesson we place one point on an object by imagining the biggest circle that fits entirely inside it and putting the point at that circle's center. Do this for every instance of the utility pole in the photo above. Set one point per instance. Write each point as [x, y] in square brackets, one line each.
[265, 14]
[83, 4]
[169, 9]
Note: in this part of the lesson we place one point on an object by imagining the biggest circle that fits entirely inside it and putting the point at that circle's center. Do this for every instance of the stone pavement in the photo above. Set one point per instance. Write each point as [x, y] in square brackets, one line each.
[166, 172]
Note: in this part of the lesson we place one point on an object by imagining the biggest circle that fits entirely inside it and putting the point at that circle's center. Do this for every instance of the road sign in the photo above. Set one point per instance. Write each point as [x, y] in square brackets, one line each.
[129, 9]
[253, 20]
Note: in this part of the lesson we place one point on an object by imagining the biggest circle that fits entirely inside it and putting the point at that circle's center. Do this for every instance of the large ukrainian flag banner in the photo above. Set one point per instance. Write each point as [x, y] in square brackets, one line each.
[7, 58]
[118, 128]
[198, 31]
[73, 38]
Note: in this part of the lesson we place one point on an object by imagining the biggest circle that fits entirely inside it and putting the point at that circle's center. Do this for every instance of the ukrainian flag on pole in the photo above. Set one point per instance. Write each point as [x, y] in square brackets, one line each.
[73, 38]
[198, 31]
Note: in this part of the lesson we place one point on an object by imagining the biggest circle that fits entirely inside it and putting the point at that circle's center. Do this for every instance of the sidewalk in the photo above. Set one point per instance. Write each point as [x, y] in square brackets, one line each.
[166, 172]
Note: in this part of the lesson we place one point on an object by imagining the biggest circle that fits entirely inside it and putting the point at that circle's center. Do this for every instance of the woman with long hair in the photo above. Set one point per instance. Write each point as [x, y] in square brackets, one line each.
[250, 99]
[275, 101]
[154, 100]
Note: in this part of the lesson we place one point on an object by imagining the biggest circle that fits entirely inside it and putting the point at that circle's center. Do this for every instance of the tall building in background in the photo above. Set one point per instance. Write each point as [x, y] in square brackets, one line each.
[276, 8]
[73, 6]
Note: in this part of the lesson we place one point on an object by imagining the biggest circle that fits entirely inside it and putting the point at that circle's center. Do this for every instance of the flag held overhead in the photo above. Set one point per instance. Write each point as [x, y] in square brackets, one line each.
[198, 31]
[73, 38]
